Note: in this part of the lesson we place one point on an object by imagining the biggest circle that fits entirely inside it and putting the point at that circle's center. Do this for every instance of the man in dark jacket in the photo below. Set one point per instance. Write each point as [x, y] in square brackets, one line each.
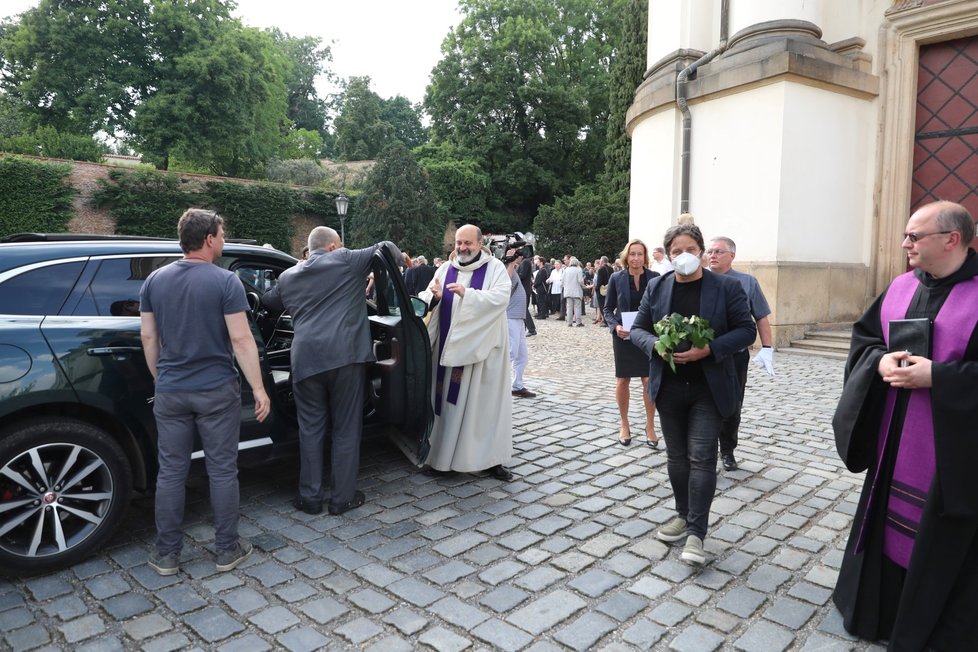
[540, 288]
[525, 272]
[601, 276]
[418, 276]
[330, 352]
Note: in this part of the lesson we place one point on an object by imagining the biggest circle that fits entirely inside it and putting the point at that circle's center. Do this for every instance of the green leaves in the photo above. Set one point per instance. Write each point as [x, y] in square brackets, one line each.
[397, 205]
[523, 88]
[34, 196]
[673, 330]
[367, 123]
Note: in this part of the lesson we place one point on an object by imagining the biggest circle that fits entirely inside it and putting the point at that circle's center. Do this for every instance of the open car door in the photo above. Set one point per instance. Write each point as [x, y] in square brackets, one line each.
[399, 383]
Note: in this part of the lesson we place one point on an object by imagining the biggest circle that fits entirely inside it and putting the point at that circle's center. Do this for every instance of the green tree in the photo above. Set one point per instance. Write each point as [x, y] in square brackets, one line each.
[459, 185]
[174, 78]
[523, 86]
[48, 141]
[593, 221]
[79, 66]
[222, 107]
[397, 205]
[361, 131]
[405, 121]
[302, 143]
[366, 123]
[307, 60]
[627, 73]
[589, 223]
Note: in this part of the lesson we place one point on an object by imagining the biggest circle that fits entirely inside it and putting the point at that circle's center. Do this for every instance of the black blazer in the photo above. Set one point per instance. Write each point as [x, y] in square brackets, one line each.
[724, 304]
[540, 280]
[618, 299]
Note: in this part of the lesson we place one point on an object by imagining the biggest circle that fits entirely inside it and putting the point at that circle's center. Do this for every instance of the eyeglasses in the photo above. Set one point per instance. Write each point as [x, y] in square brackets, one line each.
[914, 237]
[718, 252]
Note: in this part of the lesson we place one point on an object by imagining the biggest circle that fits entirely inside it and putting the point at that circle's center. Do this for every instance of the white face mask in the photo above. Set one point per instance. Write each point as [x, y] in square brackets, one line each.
[686, 263]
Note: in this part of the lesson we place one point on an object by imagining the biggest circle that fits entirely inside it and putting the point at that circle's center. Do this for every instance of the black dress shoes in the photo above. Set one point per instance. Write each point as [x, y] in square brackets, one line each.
[358, 500]
[729, 462]
[307, 506]
[500, 472]
[523, 393]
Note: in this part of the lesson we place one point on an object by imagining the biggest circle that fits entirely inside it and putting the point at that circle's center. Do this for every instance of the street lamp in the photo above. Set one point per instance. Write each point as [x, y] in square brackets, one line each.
[342, 203]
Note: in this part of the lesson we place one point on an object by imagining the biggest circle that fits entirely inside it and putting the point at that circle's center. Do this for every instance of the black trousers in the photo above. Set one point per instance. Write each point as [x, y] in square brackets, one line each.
[330, 403]
[543, 303]
[731, 425]
[528, 320]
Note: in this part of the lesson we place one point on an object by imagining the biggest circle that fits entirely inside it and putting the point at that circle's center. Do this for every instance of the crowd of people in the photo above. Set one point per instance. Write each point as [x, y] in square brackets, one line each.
[910, 571]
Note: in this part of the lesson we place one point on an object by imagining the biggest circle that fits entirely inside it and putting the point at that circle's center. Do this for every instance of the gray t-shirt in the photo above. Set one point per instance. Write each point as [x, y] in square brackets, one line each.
[189, 301]
[517, 299]
[758, 303]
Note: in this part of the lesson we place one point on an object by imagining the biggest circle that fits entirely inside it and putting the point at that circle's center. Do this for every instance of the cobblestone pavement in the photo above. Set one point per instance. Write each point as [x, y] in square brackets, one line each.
[563, 557]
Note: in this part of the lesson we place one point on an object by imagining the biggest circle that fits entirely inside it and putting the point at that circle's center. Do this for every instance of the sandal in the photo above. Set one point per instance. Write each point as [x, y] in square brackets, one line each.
[624, 442]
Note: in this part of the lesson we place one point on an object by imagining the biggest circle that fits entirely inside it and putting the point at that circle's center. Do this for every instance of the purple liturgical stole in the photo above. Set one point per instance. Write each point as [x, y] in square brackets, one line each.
[444, 323]
[916, 462]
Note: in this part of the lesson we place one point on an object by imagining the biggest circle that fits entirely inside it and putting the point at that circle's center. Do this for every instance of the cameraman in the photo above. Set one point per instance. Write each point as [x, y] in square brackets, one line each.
[516, 312]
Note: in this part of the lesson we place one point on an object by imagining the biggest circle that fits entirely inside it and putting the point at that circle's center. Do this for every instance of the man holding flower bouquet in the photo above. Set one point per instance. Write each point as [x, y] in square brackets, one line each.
[690, 324]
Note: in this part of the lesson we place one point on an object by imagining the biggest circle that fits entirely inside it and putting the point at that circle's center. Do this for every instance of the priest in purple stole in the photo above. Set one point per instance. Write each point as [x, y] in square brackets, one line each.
[910, 420]
[470, 355]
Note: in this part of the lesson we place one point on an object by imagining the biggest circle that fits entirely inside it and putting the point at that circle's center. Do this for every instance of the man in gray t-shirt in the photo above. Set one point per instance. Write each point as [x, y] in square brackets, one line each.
[721, 254]
[193, 324]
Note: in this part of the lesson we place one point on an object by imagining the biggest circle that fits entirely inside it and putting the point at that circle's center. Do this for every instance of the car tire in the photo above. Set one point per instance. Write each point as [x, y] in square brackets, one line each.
[64, 487]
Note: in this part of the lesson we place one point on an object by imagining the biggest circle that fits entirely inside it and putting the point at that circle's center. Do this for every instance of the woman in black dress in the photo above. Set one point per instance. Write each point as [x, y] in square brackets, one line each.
[625, 290]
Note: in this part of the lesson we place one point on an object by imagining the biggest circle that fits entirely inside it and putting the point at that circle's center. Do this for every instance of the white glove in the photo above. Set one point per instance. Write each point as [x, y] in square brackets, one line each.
[765, 358]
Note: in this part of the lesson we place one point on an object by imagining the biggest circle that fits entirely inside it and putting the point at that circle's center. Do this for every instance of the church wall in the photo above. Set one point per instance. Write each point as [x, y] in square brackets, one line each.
[826, 176]
[735, 168]
[681, 25]
[784, 147]
[744, 13]
[655, 176]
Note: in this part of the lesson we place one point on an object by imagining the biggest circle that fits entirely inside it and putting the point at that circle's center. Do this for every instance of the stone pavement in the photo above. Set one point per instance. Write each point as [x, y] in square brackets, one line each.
[562, 558]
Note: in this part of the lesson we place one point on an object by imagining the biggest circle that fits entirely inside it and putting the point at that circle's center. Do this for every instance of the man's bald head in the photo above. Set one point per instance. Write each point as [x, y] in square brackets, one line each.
[323, 236]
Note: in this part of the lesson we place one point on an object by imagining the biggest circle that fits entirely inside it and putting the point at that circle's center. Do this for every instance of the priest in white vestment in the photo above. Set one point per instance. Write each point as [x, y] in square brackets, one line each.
[470, 343]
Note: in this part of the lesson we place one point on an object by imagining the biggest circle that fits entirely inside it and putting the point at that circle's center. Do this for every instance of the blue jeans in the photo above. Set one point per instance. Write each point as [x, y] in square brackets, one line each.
[691, 426]
[215, 415]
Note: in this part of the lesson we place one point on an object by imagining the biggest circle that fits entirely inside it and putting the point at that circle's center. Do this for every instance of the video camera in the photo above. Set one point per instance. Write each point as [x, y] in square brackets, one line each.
[500, 244]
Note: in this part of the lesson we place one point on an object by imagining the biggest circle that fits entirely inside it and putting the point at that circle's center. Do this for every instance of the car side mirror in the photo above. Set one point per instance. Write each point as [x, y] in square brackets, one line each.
[419, 307]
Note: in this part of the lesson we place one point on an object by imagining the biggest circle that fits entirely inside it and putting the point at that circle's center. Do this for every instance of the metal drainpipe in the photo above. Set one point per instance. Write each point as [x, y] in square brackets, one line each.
[681, 80]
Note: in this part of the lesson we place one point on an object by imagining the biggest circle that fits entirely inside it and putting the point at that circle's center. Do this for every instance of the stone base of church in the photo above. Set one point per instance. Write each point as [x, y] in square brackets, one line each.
[804, 296]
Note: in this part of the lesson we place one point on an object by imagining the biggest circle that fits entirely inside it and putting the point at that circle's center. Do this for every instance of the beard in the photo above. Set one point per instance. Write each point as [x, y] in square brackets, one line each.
[466, 257]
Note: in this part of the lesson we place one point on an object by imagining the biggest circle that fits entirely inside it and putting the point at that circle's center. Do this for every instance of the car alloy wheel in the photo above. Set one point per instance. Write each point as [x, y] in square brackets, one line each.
[58, 499]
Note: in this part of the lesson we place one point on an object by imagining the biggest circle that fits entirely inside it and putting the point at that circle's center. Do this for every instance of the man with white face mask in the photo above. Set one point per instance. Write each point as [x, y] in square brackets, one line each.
[720, 257]
[693, 400]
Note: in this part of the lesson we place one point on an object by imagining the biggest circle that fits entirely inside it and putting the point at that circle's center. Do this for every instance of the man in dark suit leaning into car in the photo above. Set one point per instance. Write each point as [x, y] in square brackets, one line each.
[330, 352]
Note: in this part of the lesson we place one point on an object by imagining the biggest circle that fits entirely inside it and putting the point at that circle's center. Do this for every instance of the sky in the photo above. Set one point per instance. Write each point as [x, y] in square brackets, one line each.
[394, 42]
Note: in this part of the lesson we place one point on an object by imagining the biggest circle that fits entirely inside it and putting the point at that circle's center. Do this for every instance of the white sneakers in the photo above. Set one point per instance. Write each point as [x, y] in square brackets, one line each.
[693, 552]
[676, 529]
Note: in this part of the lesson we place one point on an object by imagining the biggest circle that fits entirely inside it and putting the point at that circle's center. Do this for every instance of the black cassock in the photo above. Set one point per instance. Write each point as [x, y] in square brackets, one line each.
[933, 604]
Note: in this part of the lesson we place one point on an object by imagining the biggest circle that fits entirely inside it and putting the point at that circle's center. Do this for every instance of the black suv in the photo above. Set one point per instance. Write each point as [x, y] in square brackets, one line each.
[77, 434]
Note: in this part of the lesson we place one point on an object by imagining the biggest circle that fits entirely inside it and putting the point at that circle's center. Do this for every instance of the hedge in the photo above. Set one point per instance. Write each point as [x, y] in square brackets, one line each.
[34, 196]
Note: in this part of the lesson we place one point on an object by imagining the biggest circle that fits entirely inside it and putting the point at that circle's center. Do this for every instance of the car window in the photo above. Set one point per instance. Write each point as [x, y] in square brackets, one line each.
[40, 291]
[256, 278]
[114, 290]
